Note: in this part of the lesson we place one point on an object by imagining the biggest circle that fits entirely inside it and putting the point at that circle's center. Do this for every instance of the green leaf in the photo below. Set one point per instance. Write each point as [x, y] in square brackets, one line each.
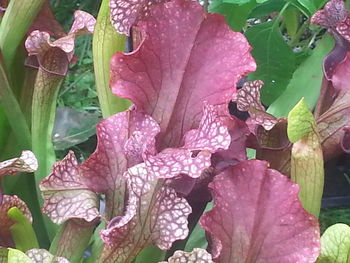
[22, 231]
[238, 2]
[236, 13]
[319, 3]
[300, 121]
[276, 61]
[309, 6]
[197, 239]
[17, 256]
[335, 245]
[306, 81]
[150, 254]
[266, 8]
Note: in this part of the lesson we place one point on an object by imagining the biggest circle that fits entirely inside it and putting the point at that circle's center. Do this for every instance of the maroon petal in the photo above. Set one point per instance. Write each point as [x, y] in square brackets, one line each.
[126, 13]
[154, 215]
[70, 191]
[44, 256]
[170, 81]
[258, 218]
[39, 43]
[26, 163]
[340, 78]
[248, 99]
[199, 255]
[195, 155]
[65, 194]
[122, 140]
[333, 13]
[84, 23]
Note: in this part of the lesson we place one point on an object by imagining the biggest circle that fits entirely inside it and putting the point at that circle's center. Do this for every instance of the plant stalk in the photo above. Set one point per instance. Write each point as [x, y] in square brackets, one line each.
[106, 42]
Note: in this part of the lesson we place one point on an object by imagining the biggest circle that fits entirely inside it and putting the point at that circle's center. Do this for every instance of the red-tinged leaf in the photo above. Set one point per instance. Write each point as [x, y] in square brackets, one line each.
[126, 13]
[335, 57]
[154, 215]
[345, 142]
[248, 99]
[341, 75]
[236, 151]
[5, 222]
[331, 124]
[26, 163]
[44, 256]
[275, 147]
[170, 81]
[257, 218]
[39, 44]
[65, 194]
[46, 21]
[198, 255]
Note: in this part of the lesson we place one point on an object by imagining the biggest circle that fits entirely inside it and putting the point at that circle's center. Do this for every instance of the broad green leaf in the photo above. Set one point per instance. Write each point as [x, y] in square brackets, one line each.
[197, 239]
[335, 245]
[319, 3]
[266, 8]
[276, 61]
[238, 2]
[309, 6]
[300, 121]
[306, 81]
[307, 158]
[17, 256]
[236, 13]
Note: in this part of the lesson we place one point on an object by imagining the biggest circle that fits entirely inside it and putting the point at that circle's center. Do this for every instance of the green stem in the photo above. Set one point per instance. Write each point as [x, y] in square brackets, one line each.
[43, 117]
[300, 32]
[72, 240]
[280, 14]
[22, 231]
[13, 111]
[105, 43]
